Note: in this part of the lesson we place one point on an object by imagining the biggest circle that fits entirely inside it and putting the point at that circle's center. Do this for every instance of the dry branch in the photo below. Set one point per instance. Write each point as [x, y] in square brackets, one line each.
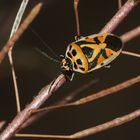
[63, 101]
[90, 131]
[119, 16]
[21, 117]
[95, 96]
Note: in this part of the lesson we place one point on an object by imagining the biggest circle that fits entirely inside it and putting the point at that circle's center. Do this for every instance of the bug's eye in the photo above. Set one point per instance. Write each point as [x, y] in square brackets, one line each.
[74, 52]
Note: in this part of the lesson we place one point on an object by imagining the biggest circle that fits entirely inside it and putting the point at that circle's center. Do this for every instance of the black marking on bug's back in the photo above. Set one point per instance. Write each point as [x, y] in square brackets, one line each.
[103, 52]
[79, 61]
[113, 43]
[102, 64]
[74, 52]
[88, 52]
[96, 40]
[93, 64]
[83, 42]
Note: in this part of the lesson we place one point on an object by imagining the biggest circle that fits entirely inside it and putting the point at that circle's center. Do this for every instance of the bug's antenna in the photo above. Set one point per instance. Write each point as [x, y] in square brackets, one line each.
[46, 55]
[45, 44]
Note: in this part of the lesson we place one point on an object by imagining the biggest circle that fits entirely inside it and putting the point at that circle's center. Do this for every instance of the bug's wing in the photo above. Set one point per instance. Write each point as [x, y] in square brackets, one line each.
[109, 47]
[103, 58]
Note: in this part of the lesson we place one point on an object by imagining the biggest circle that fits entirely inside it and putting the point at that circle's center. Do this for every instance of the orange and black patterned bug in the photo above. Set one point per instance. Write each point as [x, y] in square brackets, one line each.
[90, 53]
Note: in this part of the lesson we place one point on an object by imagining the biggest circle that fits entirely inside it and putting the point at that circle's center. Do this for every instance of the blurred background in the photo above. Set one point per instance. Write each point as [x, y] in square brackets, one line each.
[56, 26]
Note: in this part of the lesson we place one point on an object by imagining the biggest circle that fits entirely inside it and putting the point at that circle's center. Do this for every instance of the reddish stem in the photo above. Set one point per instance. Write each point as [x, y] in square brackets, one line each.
[21, 117]
[119, 16]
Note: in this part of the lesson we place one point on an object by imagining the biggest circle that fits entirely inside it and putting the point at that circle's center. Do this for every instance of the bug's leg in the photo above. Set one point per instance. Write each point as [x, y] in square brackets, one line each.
[69, 75]
[78, 37]
[72, 75]
[107, 66]
[76, 3]
[78, 34]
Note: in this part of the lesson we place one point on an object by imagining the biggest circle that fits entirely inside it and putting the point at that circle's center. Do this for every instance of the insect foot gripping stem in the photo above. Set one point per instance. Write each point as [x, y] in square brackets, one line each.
[78, 37]
[69, 75]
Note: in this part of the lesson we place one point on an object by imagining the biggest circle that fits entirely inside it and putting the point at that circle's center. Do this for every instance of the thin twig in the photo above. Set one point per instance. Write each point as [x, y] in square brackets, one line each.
[63, 101]
[20, 31]
[119, 4]
[14, 29]
[2, 123]
[70, 96]
[131, 34]
[21, 117]
[95, 96]
[90, 131]
[76, 3]
[131, 54]
[18, 106]
[119, 16]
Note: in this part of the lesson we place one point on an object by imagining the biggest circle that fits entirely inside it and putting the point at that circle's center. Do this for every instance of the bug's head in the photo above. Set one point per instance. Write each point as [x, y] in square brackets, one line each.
[66, 63]
[66, 66]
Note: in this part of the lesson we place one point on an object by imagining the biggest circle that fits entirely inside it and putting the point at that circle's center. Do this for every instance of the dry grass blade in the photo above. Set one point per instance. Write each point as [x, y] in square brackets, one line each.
[14, 29]
[100, 94]
[90, 131]
[20, 31]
